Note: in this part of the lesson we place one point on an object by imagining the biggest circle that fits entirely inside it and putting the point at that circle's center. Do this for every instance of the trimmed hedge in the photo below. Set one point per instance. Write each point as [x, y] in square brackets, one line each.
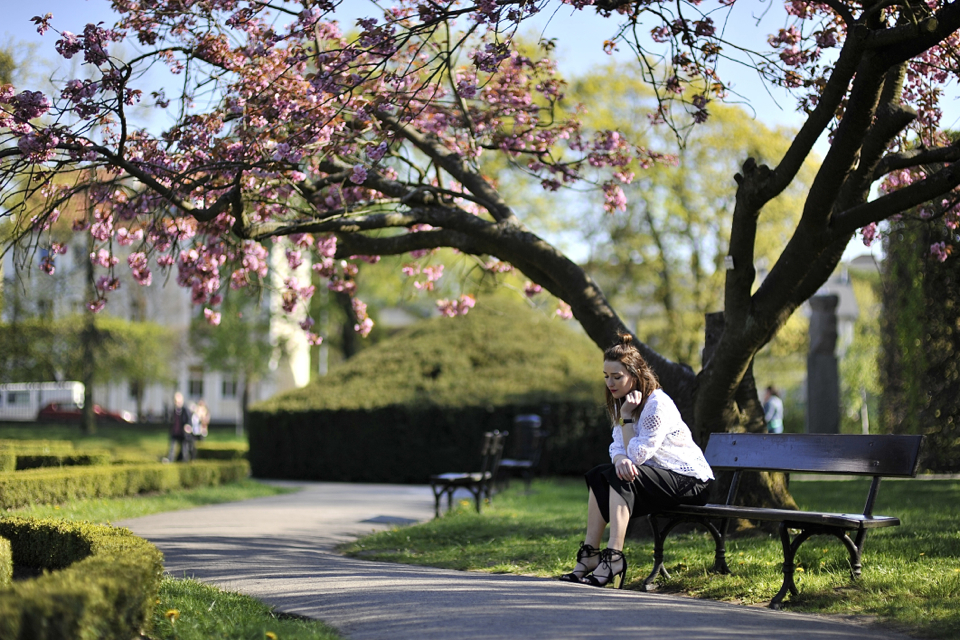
[37, 446]
[75, 459]
[104, 586]
[419, 402]
[55, 486]
[221, 451]
[8, 460]
[6, 564]
[412, 443]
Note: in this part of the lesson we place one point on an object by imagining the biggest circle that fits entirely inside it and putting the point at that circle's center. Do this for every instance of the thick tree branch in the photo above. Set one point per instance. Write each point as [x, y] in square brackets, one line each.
[934, 186]
[915, 158]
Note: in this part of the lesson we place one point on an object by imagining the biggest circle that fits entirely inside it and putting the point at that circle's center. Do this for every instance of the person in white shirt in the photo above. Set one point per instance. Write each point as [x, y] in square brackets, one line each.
[655, 464]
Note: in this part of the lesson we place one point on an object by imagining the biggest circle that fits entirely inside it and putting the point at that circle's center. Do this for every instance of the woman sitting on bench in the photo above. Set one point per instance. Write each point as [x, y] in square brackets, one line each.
[660, 465]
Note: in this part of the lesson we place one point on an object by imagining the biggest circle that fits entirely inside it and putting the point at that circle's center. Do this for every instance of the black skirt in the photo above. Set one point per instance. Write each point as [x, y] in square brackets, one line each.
[652, 490]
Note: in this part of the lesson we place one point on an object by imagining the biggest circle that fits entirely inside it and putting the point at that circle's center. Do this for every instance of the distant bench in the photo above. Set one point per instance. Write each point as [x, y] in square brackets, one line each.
[867, 455]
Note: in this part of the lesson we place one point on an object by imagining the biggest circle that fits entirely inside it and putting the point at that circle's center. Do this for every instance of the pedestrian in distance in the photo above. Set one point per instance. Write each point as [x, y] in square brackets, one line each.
[180, 431]
[773, 410]
[655, 464]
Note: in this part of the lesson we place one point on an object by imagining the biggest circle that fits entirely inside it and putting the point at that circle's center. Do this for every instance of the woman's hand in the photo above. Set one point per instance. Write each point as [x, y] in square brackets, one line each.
[631, 402]
[626, 470]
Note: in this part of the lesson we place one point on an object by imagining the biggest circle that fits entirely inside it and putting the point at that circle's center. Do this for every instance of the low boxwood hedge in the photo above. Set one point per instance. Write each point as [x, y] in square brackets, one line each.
[55, 486]
[8, 460]
[73, 459]
[37, 446]
[221, 450]
[6, 564]
[98, 582]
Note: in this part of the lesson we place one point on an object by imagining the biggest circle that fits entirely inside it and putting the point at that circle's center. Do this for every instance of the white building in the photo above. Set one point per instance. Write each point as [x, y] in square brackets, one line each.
[31, 292]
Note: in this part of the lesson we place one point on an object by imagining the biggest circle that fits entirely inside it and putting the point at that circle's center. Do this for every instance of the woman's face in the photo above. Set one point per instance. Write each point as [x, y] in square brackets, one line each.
[619, 382]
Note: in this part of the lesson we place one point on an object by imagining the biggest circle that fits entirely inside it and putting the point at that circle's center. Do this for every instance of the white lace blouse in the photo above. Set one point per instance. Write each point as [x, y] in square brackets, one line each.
[662, 440]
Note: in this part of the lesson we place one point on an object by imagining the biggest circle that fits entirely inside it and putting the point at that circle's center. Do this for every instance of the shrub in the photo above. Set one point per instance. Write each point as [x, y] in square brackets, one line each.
[221, 451]
[37, 446]
[8, 460]
[104, 585]
[54, 486]
[6, 564]
[75, 459]
[419, 402]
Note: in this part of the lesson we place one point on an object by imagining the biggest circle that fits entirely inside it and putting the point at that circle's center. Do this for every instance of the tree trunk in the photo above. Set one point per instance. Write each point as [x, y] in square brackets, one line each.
[742, 413]
[244, 404]
[88, 338]
[348, 335]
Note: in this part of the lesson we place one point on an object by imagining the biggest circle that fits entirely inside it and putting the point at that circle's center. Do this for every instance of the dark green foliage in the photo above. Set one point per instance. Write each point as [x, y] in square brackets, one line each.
[75, 459]
[411, 443]
[55, 486]
[419, 402]
[6, 564]
[920, 369]
[105, 585]
[498, 354]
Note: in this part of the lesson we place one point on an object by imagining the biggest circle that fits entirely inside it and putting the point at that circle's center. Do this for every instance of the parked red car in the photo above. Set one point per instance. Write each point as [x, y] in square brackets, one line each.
[69, 412]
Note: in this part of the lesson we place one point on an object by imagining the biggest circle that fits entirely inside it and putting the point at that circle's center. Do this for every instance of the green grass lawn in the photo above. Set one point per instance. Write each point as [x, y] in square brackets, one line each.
[911, 573]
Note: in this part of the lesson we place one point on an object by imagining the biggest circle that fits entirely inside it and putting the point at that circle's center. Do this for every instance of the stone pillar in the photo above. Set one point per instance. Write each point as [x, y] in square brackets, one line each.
[823, 379]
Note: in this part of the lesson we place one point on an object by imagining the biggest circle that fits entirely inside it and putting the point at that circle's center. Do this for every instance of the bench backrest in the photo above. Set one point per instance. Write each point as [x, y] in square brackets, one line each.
[869, 455]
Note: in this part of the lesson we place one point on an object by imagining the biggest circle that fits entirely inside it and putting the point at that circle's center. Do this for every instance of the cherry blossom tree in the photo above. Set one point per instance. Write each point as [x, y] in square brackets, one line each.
[367, 139]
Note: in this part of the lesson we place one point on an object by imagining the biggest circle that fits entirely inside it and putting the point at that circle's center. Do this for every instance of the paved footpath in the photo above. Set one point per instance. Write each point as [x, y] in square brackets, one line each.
[280, 550]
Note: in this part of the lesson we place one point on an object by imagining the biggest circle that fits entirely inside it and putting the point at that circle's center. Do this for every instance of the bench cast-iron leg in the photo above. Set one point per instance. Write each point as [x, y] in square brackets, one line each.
[660, 536]
[789, 554]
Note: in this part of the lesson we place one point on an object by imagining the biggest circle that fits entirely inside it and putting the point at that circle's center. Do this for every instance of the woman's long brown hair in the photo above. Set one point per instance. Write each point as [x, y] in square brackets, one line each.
[645, 379]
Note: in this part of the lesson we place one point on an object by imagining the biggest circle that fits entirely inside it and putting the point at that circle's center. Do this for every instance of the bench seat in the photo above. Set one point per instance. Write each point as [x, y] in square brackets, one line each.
[850, 521]
[859, 455]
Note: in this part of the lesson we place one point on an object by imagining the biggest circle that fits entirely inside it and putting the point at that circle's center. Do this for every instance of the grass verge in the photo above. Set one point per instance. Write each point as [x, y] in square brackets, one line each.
[191, 610]
[911, 575]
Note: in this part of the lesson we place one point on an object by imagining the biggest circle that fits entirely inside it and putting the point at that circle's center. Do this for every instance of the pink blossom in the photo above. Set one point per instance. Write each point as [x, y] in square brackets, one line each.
[940, 251]
[103, 258]
[531, 289]
[564, 312]
[869, 233]
[97, 305]
[212, 317]
[461, 307]
[359, 175]
[313, 339]
[364, 328]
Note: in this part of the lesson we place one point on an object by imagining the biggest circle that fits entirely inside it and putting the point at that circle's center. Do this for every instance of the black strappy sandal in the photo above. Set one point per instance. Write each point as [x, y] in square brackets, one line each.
[585, 551]
[607, 556]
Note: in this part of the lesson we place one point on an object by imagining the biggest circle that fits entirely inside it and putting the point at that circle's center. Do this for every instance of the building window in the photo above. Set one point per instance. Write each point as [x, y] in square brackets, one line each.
[138, 309]
[18, 398]
[228, 388]
[195, 389]
[45, 308]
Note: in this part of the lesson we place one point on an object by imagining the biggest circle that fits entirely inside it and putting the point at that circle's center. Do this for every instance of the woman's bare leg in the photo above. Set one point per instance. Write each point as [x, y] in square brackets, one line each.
[619, 518]
[595, 522]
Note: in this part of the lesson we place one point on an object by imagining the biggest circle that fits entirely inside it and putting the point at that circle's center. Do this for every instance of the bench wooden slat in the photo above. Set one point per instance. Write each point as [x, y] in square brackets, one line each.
[879, 455]
[847, 520]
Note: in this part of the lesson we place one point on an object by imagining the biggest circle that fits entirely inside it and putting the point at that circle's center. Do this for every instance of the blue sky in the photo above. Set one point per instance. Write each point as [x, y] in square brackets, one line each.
[579, 35]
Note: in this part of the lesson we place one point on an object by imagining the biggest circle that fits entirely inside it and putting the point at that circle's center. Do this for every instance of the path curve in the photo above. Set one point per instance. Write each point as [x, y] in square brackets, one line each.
[280, 550]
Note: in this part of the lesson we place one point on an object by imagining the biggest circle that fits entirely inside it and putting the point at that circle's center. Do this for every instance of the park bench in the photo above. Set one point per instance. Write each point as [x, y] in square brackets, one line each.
[530, 440]
[861, 455]
[479, 483]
